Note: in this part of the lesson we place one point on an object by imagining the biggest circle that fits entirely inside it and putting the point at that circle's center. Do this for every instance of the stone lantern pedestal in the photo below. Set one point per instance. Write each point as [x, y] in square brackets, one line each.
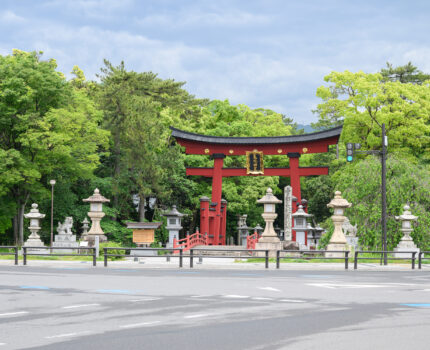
[34, 239]
[406, 244]
[269, 239]
[96, 215]
[338, 239]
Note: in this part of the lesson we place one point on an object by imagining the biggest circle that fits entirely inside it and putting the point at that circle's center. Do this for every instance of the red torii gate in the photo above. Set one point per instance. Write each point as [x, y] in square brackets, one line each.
[213, 215]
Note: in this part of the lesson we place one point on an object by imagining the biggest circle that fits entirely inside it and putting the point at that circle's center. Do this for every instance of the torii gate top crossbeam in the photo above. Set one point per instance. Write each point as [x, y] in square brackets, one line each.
[316, 142]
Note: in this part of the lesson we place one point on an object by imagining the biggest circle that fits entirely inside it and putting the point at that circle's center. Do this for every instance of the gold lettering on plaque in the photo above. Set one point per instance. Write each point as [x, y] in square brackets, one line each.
[254, 162]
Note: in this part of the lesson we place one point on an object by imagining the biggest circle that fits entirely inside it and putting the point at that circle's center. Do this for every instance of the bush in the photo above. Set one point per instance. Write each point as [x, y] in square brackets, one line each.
[111, 251]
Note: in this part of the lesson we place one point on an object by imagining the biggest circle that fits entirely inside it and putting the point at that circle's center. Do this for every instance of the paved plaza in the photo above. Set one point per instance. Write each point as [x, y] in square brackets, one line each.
[58, 305]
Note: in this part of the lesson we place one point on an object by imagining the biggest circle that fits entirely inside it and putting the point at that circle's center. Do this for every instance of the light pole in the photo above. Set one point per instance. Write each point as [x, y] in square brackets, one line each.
[384, 192]
[52, 182]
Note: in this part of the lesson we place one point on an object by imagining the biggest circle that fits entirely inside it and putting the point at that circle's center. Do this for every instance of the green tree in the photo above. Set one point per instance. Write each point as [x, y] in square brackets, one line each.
[404, 74]
[138, 110]
[47, 128]
[407, 183]
[365, 101]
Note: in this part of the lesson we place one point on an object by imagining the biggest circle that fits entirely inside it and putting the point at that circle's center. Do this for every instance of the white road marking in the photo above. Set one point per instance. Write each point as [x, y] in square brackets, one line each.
[233, 296]
[146, 299]
[348, 286]
[196, 316]
[67, 335]
[261, 298]
[2, 344]
[14, 313]
[134, 325]
[292, 301]
[78, 306]
[269, 289]
[200, 296]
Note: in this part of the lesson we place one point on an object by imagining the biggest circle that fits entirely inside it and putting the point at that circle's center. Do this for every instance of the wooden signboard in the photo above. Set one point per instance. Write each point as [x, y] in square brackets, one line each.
[143, 236]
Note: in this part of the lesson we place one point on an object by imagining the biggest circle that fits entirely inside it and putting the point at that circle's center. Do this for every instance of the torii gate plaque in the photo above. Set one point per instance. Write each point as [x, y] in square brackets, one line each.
[213, 214]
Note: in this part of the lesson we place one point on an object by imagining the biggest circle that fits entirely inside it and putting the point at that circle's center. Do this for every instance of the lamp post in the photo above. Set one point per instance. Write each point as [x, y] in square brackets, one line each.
[52, 182]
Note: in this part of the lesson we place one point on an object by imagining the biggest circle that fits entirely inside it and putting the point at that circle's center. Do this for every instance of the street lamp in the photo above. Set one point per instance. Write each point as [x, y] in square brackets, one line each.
[52, 182]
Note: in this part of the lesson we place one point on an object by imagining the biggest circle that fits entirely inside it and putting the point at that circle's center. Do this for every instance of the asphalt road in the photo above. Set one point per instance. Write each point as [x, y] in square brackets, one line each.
[125, 308]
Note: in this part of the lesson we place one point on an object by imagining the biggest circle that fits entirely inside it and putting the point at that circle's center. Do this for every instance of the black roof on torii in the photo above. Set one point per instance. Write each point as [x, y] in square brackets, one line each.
[315, 136]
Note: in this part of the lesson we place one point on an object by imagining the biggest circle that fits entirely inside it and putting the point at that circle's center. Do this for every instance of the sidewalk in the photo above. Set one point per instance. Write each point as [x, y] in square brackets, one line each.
[211, 263]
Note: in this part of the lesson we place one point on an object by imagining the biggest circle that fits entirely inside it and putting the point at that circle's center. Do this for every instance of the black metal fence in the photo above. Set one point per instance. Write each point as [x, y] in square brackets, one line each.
[15, 252]
[170, 250]
[383, 252]
[304, 255]
[421, 257]
[249, 251]
[35, 251]
[200, 253]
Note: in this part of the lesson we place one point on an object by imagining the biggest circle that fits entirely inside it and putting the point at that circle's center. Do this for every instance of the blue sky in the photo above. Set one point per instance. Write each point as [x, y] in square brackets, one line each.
[272, 54]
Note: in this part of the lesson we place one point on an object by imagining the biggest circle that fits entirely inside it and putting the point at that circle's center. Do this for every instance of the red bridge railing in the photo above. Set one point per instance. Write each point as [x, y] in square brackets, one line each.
[191, 241]
[252, 240]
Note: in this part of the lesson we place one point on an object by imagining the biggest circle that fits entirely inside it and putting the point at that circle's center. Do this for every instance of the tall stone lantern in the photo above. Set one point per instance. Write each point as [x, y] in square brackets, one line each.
[174, 218]
[269, 239]
[406, 244]
[96, 214]
[338, 239]
[35, 217]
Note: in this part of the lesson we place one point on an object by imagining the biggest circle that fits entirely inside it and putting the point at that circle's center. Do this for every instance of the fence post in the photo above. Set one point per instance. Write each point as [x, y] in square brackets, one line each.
[180, 258]
[105, 256]
[355, 260]
[191, 258]
[346, 259]
[419, 260]
[413, 260]
[94, 257]
[267, 259]
[16, 255]
[24, 255]
[278, 252]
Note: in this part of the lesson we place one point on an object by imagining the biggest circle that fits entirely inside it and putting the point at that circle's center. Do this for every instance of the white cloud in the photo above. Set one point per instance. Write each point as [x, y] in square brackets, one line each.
[193, 18]
[10, 17]
[92, 9]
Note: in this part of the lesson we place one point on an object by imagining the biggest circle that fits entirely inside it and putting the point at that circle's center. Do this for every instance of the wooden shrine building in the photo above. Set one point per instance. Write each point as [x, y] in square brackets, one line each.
[213, 211]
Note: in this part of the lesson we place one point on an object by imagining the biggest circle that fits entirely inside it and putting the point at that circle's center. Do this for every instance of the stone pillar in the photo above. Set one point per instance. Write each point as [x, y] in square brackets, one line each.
[337, 240]
[288, 210]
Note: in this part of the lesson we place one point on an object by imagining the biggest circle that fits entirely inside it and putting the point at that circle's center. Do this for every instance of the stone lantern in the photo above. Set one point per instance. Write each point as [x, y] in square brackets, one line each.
[318, 232]
[242, 230]
[85, 227]
[258, 229]
[174, 218]
[269, 239]
[35, 217]
[301, 227]
[406, 244]
[337, 240]
[96, 214]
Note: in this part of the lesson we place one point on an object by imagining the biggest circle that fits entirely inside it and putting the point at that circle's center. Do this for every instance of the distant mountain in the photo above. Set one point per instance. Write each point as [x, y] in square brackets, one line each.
[307, 128]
